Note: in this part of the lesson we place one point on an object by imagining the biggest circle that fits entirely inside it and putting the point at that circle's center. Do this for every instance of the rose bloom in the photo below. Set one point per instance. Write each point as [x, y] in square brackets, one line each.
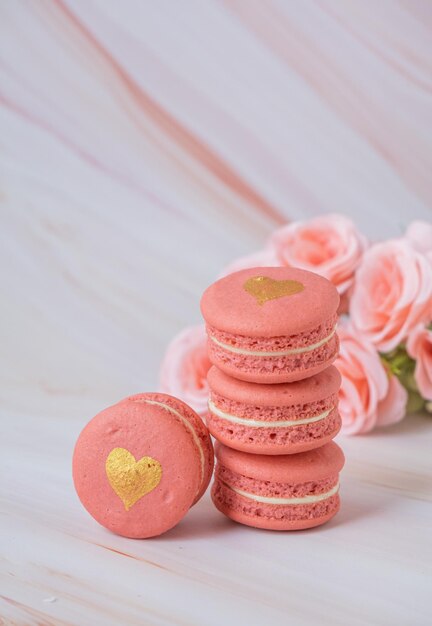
[329, 245]
[419, 234]
[184, 368]
[392, 293]
[369, 396]
[419, 347]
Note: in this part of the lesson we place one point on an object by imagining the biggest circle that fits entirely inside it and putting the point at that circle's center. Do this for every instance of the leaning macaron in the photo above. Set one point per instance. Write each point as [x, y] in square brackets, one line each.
[291, 492]
[286, 418]
[138, 466]
[271, 324]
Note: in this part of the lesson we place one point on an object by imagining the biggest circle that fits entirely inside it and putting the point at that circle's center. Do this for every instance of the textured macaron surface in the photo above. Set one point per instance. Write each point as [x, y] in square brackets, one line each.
[274, 368]
[275, 489]
[277, 440]
[195, 426]
[139, 465]
[273, 517]
[290, 397]
[315, 465]
[279, 493]
[277, 343]
[269, 302]
[274, 419]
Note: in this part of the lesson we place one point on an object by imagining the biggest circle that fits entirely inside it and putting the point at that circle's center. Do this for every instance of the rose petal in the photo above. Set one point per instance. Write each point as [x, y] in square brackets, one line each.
[184, 368]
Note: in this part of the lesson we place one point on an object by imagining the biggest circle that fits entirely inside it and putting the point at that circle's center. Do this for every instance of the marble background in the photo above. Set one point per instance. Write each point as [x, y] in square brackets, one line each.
[143, 145]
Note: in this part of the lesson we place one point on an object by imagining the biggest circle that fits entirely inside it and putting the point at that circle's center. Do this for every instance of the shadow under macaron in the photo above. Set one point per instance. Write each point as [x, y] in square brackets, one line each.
[202, 521]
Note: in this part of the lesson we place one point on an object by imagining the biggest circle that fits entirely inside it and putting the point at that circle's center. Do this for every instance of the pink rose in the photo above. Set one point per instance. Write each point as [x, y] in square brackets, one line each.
[262, 258]
[392, 293]
[329, 245]
[392, 408]
[419, 234]
[368, 396]
[419, 347]
[184, 368]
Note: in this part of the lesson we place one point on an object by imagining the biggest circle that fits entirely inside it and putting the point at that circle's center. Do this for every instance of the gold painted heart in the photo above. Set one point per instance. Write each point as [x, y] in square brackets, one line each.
[263, 288]
[132, 479]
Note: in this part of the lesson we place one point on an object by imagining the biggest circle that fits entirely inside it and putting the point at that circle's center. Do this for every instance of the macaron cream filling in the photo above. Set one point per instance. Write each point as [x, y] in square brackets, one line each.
[309, 499]
[274, 353]
[266, 424]
[191, 429]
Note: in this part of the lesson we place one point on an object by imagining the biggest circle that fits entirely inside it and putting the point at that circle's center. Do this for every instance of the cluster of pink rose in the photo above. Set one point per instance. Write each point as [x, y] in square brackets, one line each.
[385, 325]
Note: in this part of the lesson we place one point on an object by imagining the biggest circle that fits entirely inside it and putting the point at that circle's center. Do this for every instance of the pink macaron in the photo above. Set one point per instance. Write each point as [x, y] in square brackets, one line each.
[138, 466]
[274, 419]
[271, 324]
[290, 492]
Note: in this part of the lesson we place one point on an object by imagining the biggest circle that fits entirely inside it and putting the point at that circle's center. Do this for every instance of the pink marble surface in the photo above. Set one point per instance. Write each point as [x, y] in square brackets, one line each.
[143, 145]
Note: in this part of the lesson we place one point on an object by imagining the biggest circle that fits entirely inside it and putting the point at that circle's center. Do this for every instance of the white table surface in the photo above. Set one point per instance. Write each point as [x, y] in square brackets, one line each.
[143, 146]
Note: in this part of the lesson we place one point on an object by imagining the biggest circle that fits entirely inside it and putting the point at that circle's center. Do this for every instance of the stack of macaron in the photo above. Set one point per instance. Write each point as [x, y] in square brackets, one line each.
[273, 405]
[141, 464]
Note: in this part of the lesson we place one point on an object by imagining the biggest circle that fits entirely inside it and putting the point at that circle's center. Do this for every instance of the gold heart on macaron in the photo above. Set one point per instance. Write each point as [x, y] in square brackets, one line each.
[263, 288]
[129, 478]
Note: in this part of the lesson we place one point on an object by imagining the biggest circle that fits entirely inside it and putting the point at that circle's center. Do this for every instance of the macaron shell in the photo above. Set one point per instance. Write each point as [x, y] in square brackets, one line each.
[196, 423]
[313, 465]
[228, 305]
[305, 391]
[143, 430]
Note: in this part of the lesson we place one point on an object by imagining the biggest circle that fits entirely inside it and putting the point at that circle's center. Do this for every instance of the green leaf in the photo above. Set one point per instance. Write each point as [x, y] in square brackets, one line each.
[415, 402]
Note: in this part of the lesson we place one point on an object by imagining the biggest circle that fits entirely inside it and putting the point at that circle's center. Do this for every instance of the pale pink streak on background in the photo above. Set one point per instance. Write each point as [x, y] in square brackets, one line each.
[293, 37]
[170, 127]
